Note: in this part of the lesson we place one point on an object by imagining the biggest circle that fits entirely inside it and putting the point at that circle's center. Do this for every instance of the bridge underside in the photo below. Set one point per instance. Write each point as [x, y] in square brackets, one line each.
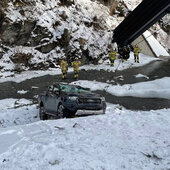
[138, 21]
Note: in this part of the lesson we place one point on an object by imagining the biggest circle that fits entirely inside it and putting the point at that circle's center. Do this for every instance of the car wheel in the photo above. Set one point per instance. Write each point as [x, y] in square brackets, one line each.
[43, 115]
[61, 112]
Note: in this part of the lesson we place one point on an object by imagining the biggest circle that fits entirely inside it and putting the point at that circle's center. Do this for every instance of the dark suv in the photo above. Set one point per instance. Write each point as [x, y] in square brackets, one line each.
[64, 100]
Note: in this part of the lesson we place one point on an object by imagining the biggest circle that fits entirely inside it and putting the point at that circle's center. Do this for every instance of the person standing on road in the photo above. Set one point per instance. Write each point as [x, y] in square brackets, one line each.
[76, 64]
[112, 57]
[64, 67]
[136, 51]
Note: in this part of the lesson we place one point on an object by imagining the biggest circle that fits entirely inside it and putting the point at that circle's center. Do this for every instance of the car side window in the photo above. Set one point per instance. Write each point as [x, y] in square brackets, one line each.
[50, 90]
[56, 90]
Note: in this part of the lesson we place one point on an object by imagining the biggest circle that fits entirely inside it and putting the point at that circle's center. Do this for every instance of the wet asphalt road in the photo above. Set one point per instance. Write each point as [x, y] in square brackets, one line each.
[153, 70]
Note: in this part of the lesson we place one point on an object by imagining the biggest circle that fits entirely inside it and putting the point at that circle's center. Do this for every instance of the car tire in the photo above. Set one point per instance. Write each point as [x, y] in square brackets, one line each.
[61, 112]
[42, 114]
[104, 108]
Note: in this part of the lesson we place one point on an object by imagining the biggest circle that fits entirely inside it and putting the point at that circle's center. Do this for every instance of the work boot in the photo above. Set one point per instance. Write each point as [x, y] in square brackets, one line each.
[76, 76]
[63, 76]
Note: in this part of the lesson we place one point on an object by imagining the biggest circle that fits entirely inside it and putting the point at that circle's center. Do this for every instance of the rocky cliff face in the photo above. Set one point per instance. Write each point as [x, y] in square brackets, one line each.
[45, 30]
[34, 34]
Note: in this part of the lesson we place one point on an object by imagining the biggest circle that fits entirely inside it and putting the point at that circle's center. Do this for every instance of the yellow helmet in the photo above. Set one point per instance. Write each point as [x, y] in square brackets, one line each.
[63, 57]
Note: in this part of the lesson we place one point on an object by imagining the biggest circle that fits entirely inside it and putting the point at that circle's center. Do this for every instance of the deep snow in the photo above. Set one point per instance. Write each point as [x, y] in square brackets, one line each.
[120, 139]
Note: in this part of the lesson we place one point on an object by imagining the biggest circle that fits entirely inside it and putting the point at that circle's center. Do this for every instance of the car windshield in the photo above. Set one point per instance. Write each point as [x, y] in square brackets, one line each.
[73, 89]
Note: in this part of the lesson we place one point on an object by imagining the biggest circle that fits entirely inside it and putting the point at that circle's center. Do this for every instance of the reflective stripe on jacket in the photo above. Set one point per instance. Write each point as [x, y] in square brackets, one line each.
[76, 65]
[64, 65]
[137, 50]
[113, 55]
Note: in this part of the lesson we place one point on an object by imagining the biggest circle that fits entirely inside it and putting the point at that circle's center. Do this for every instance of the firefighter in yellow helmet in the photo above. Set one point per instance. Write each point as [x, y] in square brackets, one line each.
[136, 51]
[64, 67]
[76, 64]
[112, 57]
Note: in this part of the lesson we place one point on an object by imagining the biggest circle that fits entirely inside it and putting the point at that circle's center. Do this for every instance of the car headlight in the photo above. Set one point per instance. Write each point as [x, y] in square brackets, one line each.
[73, 98]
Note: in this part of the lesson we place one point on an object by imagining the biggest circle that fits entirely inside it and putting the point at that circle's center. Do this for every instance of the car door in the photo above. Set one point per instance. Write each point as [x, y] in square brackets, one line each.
[49, 100]
[56, 98]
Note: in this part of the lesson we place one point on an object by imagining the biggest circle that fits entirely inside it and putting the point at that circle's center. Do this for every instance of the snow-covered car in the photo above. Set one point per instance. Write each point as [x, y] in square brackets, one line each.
[64, 100]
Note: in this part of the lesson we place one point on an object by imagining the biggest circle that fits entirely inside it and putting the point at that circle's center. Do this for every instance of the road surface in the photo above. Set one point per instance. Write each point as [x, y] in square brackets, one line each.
[153, 70]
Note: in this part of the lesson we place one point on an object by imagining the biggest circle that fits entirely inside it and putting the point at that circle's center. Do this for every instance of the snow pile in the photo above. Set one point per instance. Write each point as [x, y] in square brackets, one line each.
[17, 112]
[121, 139]
[141, 75]
[159, 88]
[22, 92]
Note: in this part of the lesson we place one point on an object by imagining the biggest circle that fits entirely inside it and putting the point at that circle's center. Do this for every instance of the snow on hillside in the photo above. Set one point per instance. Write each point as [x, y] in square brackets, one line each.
[132, 4]
[82, 26]
[55, 28]
[120, 139]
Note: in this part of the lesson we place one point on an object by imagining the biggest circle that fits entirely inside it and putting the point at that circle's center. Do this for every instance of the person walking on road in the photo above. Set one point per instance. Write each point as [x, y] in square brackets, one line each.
[76, 64]
[136, 51]
[64, 67]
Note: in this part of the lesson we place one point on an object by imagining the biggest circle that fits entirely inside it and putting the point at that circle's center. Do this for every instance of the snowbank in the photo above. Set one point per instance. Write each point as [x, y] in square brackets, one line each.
[17, 112]
[121, 139]
[159, 88]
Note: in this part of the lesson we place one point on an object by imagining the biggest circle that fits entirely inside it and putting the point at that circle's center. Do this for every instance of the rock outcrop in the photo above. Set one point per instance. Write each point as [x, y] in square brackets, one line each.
[49, 29]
